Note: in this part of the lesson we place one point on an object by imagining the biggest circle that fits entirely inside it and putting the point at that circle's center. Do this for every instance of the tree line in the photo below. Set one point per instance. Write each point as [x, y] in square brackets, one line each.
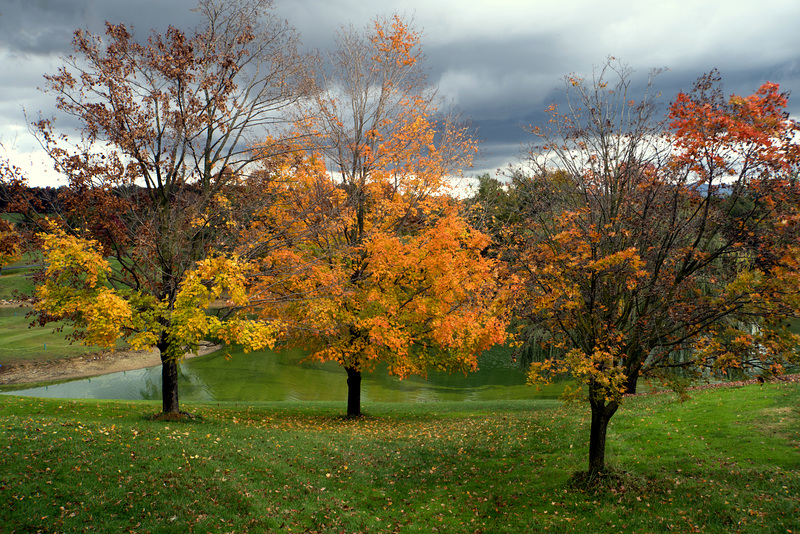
[227, 186]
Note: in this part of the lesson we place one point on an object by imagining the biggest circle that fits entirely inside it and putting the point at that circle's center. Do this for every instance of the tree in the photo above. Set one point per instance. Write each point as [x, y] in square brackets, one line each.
[9, 243]
[649, 258]
[380, 266]
[76, 288]
[11, 240]
[162, 158]
[494, 208]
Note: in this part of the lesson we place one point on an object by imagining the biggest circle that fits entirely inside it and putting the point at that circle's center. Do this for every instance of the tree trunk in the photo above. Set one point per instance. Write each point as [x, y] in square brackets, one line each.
[169, 382]
[630, 383]
[601, 415]
[353, 392]
[633, 364]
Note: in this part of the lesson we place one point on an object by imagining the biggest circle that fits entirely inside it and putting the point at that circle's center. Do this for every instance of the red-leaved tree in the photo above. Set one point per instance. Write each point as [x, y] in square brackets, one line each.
[644, 250]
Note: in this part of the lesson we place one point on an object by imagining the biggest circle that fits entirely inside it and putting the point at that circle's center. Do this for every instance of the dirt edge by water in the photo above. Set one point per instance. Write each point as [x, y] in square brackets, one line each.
[85, 366]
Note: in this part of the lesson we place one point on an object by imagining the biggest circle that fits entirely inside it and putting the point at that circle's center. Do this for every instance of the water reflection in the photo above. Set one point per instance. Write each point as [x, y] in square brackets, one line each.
[267, 376]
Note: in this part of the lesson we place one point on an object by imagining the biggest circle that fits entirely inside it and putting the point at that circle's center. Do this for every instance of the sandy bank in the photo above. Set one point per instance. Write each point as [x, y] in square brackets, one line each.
[85, 366]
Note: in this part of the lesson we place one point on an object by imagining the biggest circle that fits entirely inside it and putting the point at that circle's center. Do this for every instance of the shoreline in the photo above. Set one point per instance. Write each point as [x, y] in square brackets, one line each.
[86, 366]
[98, 363]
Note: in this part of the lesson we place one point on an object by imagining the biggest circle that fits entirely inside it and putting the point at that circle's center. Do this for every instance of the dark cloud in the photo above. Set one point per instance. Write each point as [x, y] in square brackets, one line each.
[45, 27]
[39, 27]
[501, 62]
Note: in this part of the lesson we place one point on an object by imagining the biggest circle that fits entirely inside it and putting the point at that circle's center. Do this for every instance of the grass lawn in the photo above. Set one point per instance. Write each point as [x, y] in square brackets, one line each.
[14, 282]
[728, 460]
[19, 343]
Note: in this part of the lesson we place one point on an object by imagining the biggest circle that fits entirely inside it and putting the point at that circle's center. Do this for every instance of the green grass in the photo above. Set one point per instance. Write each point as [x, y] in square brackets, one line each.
[15, 283]
[725, 461]
[19, 343]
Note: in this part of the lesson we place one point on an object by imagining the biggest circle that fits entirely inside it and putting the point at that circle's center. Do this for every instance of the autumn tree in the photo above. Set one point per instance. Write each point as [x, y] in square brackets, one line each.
[12, 242]
[157, 181]
[380, 267]
[642, 252]
[77, 288]
[9, 243]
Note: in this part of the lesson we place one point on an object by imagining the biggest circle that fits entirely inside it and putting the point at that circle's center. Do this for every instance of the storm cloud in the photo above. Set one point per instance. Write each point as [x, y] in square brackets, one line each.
[500, 62]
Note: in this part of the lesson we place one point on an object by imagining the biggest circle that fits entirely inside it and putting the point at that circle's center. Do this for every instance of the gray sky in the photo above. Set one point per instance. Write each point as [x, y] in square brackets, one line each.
[500, 61]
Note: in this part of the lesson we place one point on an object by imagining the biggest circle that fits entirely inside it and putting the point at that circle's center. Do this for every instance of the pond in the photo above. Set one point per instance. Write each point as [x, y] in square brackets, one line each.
[268, 376]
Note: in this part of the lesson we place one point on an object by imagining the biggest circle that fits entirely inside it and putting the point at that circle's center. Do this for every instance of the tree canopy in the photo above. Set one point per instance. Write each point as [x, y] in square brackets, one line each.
[225, 186]
[380, 266]
[158, 179]
[642, 248]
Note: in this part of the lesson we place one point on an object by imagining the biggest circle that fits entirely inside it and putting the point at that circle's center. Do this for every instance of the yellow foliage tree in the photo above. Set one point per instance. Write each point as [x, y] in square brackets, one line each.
[10, 242]
[76, 289]
[158, 173]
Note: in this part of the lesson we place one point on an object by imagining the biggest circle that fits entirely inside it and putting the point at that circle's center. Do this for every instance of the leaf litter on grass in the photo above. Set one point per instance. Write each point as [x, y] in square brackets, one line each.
[457, 468]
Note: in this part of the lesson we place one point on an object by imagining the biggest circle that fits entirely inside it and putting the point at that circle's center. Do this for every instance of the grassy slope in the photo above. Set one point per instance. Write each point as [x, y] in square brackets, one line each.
[15, 283]
[19, 342]
[725, 461]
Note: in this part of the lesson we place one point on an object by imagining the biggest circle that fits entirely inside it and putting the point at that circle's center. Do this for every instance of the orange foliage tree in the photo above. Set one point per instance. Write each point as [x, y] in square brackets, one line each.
[379, 266]
[644, 254]
[158, 178]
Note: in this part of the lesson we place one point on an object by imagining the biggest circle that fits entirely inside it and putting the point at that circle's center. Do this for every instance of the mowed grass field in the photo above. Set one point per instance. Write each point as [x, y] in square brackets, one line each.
[15, 278]
[727, 460]
[19, 342]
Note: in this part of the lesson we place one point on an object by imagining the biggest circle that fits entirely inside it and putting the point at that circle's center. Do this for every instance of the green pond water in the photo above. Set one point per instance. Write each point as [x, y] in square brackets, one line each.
[268, 376]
